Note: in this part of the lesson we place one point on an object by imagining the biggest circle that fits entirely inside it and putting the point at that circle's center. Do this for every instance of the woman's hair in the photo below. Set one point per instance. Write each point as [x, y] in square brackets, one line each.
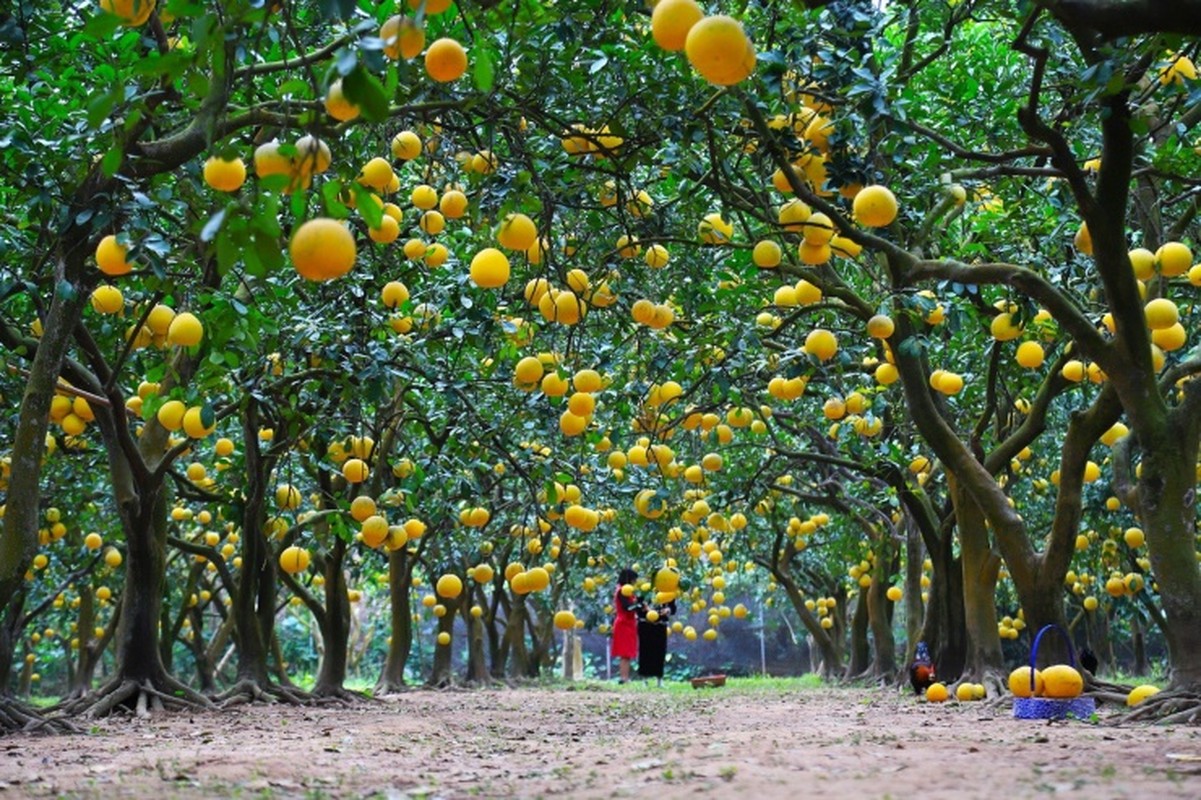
[627, 575]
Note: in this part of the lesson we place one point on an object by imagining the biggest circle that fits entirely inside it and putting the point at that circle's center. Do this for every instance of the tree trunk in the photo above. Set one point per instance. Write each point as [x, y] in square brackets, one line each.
[335, 625]
[441, 675]
[477, 663]
[879, 612]
[1167, 509]
[519, 666]
[981, 569]
[253, 607]
[204, 667]
[1140, 646]
[137, 650]
[914, 607]
[22, 518]
[498, 643]
[860, 650]
[91, 647]
[826, 641]
[25, 680]
[400, 571]
[7, 652]
[945, 628]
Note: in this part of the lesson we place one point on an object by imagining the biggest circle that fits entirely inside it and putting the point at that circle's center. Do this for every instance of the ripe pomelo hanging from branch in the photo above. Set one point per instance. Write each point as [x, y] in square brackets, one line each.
[322, 249]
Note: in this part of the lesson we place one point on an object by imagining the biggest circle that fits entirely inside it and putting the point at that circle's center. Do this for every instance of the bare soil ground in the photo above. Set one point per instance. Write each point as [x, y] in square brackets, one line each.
[597, 741]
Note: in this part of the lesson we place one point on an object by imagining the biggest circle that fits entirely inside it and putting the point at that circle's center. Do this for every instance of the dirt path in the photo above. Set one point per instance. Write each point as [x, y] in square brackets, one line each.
[598, 742]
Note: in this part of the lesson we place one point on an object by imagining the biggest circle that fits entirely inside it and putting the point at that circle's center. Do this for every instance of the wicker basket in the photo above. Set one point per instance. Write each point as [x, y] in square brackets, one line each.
[1052, 707]
[708, 680]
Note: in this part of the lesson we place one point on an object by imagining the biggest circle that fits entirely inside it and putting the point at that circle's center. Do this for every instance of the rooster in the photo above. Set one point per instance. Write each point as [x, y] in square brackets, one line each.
[921, 671]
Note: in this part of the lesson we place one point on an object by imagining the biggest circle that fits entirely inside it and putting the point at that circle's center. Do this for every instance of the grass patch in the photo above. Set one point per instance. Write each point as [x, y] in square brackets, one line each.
[43, 701]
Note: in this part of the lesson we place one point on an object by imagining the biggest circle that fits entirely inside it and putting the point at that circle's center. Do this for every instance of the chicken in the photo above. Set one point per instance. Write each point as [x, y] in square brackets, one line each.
[921, 671]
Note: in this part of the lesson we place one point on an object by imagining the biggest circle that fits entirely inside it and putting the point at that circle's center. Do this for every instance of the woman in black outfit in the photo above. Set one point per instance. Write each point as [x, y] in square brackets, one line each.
[652, 640]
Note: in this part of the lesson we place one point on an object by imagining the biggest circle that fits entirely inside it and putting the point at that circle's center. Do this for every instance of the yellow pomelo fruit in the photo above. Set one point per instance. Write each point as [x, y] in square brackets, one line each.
[1161, 313]
[403, 38]
[1083, 241]
[336, 104]
[818, 230]
[720, 51]
[312, 155]
[322, 249]
[424, 197]
[1062, 681]
[1003, 328]
[110, 257]
[1140, 693]
[822, 344]
[287, 497]
[132, 12]
[170, 414]
[715, 230]
[394, 294]
[362, 507]
[431, 6]
[672, 20]
[355, 470]
[935, 692]
[1030, 355]
[656, 256]
[193, 423]
[880, 326]
[767, 254]
[572, 424]
[406, 146]
[294, 559]
[489, 268]
[445, 60]
[453, 204]
[1142, 261]
[225, 176]
[516, 232]
[528, 371]
[107, 299]
[1019, 682]
[185, 330]
[587, 380]
[449, 586]
[1174, 259]
[374, 530]
[875, 206]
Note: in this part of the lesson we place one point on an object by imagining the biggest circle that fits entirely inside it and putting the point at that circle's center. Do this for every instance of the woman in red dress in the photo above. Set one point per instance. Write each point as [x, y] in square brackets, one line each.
[625, 626]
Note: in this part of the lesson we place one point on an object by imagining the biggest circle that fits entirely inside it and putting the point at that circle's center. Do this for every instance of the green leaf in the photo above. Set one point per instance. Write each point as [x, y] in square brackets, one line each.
[365, 91]
[337, 9]
[484, 73]
[112, 161]
[268, 250]
[212, 226]
[368, 205]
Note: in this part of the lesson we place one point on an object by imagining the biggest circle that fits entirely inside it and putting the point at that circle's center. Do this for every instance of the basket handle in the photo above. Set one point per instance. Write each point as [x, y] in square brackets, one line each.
[1034, 650]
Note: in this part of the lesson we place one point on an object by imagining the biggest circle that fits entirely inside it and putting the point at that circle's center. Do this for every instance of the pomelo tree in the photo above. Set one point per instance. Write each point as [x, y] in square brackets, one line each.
[612, 296]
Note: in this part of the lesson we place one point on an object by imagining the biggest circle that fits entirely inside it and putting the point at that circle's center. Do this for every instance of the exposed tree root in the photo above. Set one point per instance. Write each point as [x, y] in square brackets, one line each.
[339, 696]
[249, 690]
[141, 699]
[1105, 692]
[16, 716]
[384, 687]
[1169, 707]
